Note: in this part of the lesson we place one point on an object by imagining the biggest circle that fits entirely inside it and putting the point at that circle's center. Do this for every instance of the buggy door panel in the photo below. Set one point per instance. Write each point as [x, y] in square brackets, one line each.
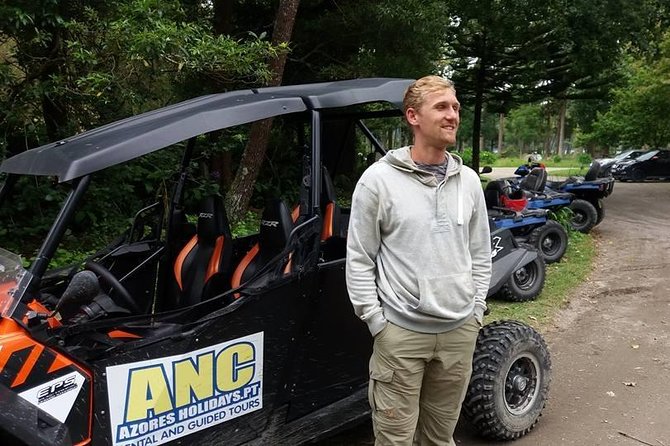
[335, 346]
[275, 314]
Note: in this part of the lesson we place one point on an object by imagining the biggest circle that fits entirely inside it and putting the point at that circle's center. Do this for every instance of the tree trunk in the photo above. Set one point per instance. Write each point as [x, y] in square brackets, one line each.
[241, 189]
[221, 163]
[561, 126]
[501, 132]
[477, 129]
[477, 119]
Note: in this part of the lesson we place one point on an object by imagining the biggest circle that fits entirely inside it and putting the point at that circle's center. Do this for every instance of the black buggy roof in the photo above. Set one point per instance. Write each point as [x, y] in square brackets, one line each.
[139, 135]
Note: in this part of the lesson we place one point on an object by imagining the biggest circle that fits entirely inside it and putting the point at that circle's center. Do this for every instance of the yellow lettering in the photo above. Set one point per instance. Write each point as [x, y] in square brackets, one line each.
[148, 390]
[235, 366]
[191, 379]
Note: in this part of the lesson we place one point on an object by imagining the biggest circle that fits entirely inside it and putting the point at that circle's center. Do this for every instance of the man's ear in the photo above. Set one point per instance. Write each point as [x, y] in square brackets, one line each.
[410, 115]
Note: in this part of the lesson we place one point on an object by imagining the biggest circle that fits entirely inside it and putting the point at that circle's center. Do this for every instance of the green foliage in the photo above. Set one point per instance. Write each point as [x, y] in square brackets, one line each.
[637, 116]
[67, 67]
[526, 126]
[564, 216]
[466, 156]
[584, 159]
[249, 225]
[487, 158]
[65, 257]
[557, 159]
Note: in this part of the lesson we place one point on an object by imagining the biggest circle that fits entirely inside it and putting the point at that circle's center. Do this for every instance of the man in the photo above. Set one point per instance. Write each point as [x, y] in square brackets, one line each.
[418, 270]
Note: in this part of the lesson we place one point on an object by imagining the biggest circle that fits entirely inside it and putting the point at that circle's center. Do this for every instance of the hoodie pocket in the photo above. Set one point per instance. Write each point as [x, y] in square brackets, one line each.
[447, 297]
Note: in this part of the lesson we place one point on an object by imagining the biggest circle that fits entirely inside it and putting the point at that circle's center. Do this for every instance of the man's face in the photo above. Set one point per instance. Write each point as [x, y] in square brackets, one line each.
[435, 123]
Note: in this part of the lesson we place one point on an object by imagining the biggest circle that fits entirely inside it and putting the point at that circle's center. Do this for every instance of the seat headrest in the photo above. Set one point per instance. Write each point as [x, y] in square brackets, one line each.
[212, 220]
[593, 171]
[492, 198]
[276, 225]
[535, 180]
[495, 185]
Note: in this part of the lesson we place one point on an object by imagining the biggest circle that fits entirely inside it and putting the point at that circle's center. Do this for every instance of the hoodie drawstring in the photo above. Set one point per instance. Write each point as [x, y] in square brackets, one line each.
[459, 193]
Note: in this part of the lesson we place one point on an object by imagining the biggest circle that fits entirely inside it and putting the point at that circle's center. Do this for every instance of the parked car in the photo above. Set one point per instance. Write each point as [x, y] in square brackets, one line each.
[607, 163]
[653, 164]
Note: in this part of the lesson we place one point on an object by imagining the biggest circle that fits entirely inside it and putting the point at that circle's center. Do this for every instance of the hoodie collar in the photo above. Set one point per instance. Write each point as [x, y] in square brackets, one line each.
[402, 160]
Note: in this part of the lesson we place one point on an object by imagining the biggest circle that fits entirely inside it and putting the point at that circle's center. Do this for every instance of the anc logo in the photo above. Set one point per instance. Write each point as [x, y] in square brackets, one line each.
[156, 401]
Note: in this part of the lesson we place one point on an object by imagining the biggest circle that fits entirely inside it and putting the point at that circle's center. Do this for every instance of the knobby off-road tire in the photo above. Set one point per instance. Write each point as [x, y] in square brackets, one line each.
[511, 373]
[550, 239]
[527, 282]
[600, 209]
[584, 215]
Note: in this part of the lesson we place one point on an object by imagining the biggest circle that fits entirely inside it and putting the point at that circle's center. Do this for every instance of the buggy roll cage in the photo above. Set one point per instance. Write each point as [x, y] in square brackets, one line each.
[74, 159]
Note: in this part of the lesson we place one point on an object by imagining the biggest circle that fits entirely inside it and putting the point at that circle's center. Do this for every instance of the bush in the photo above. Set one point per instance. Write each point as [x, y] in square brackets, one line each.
[466, 155]
[584, 159]
[485, 157]
[557, 159]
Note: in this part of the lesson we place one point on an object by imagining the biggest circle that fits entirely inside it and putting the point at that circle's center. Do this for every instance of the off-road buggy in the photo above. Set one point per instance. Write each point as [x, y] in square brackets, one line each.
[179, 332]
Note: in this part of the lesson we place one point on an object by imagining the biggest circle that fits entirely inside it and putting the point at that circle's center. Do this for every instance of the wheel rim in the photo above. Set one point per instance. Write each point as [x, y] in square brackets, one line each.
[578, 218]
[522, 384]
[525, 277]
[551, 244]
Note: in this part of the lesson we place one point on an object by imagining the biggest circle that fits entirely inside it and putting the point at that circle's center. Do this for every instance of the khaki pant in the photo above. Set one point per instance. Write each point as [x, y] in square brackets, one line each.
[418, 382]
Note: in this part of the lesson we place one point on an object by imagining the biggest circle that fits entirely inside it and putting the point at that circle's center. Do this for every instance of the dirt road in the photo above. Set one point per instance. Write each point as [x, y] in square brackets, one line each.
[611, 346]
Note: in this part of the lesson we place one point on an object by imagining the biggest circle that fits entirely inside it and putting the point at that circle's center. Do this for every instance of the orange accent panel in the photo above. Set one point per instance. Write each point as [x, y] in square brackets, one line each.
[39, 308]
[237, 275]
[295, 214]
[28, 365]
[179, 263]
[13, 338]
[327, 226]
[214, 261]
[60, 362]
[122, 334]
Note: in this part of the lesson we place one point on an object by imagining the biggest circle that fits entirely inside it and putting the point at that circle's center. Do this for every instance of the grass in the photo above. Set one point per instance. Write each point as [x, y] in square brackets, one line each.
[562, 279]
[565, 161]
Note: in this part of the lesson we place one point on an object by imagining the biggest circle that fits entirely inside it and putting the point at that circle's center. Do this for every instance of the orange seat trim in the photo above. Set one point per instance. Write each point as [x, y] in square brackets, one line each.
[327, 227]
[237, 275]
[213, 267]
[179, 263]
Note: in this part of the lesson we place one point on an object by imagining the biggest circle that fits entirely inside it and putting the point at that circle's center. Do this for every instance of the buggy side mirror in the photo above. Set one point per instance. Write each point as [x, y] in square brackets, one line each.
[83, 287]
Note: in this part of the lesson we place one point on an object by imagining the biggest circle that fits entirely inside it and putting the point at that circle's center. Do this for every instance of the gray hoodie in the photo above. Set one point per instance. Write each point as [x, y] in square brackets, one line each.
[418, 251]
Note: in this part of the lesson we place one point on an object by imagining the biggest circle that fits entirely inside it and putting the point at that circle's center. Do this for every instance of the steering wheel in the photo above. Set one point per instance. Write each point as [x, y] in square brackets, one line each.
[108, 278]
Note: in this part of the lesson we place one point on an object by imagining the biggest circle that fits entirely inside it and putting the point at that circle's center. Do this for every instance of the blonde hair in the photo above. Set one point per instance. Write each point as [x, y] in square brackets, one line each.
[419, 89]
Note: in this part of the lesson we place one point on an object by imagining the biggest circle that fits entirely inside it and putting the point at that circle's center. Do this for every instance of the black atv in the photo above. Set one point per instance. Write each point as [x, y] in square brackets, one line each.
[180, 332]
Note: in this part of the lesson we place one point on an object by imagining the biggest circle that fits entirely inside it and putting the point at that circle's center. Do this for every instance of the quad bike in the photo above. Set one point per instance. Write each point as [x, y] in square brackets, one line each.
[179, 332]
[510, 208]
[587, 194]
